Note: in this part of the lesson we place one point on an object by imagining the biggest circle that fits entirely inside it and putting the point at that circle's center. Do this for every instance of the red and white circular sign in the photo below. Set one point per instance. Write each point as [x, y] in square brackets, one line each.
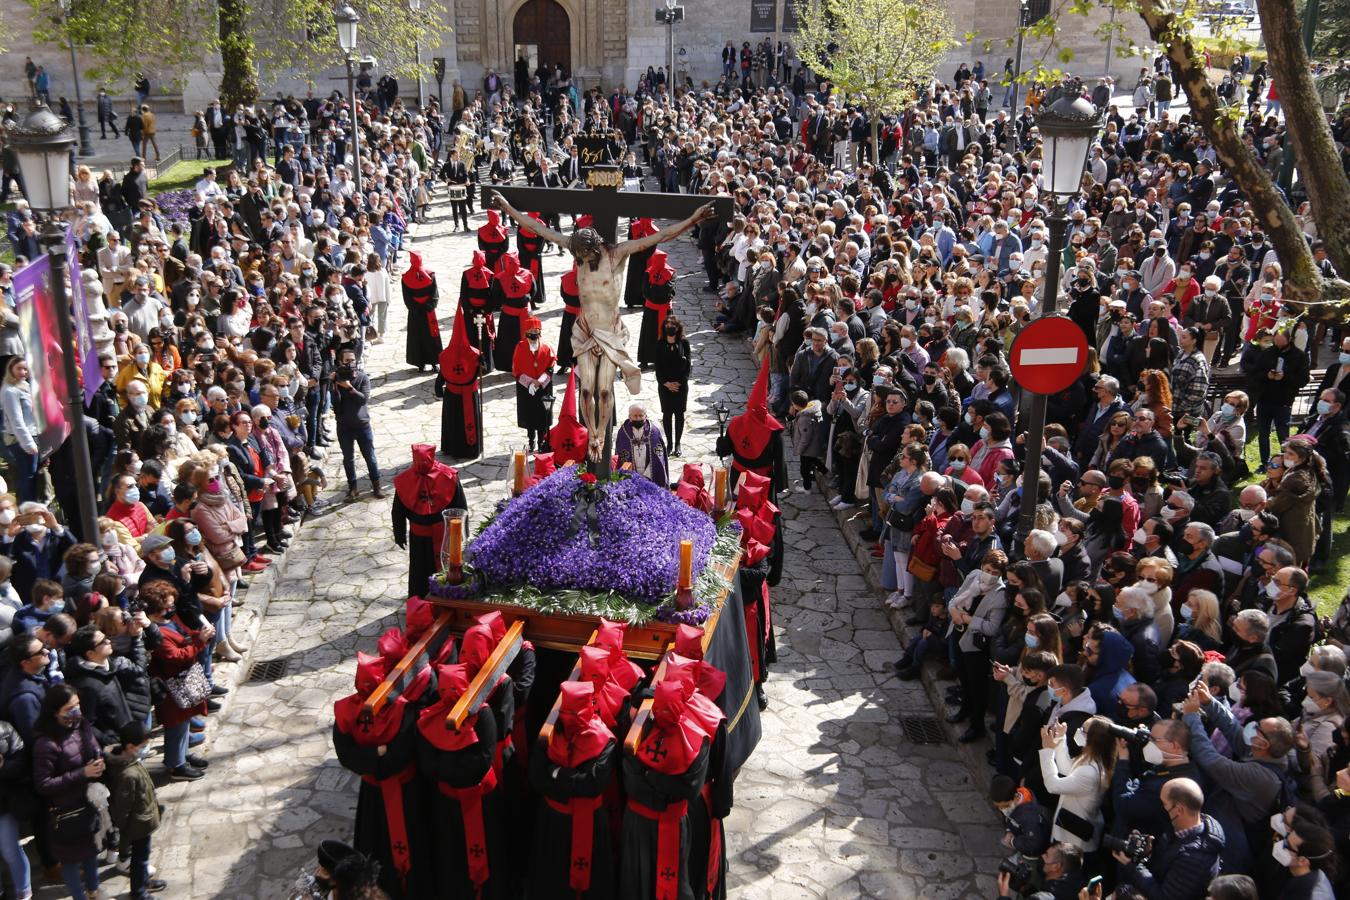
[1049, 355]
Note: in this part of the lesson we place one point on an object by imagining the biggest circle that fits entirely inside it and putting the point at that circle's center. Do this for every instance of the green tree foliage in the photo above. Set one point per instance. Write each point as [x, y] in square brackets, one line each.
[276, 36]
[875, 51]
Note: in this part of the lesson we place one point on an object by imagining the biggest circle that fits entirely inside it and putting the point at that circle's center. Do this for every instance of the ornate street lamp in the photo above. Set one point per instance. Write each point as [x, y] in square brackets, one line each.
[346, 19]
[1068, 126]
[41, 144]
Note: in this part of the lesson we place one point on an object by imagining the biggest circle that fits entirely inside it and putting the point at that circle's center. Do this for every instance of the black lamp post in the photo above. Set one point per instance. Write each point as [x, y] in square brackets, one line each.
[723, 416]
[42, 143]
[1068, 127]
[86, 147]
[346, 20]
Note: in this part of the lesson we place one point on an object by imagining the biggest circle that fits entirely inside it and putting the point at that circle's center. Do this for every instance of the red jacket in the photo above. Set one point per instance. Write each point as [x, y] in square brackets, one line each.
[177, 651]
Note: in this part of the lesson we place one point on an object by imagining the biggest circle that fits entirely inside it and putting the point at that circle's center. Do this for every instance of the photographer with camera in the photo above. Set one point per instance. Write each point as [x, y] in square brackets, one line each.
[1137, 787]
[1178, 863]
[351, 396]
[1061, 875]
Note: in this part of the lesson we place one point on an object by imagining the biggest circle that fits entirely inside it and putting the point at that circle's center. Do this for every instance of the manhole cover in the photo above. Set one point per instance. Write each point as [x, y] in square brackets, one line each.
[923, 730]
[267, 670]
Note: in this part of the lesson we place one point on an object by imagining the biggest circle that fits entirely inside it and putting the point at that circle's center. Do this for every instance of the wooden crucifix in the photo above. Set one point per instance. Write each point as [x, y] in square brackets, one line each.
[599, 339]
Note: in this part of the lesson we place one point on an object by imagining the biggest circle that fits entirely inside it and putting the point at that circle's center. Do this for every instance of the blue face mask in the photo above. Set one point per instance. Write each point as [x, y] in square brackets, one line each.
[878, 379]
[1032, 641]
[1119, 616]
[193, 537]
[1323, 408]
[984, 433]
[1345, 358]
[167, 556]
[1228, 411]
[133, 495]
[1186, 613]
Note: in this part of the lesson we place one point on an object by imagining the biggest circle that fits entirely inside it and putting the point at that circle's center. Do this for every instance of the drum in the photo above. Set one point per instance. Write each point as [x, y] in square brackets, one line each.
[458, 193]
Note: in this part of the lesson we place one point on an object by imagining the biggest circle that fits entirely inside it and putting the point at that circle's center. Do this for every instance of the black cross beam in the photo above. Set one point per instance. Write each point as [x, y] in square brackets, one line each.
[605, 203]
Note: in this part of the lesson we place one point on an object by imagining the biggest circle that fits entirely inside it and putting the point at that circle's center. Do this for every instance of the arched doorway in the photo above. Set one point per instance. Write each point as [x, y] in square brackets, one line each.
[543, 33]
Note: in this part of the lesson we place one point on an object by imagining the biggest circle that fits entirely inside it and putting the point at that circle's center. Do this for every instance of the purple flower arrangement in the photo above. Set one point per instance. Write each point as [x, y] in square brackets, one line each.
[640, 524]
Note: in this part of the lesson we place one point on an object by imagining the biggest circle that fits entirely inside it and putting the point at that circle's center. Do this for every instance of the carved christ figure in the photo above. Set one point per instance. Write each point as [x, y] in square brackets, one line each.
[599, 338]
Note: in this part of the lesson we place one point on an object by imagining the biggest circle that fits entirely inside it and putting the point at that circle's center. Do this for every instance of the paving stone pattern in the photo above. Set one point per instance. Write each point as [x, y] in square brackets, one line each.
[835, 802]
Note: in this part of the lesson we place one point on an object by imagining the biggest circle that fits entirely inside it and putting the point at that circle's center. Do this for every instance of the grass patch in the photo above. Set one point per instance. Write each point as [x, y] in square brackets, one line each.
[185, 174]
[1325, 588]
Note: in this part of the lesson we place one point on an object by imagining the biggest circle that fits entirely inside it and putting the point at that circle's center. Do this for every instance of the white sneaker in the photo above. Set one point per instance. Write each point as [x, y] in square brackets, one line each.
[836, 500]
[895, 600]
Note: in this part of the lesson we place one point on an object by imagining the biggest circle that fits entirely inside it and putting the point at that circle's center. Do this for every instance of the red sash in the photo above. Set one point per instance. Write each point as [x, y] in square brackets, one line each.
[436, 532]
[714, 839]
[661, 310]
[574, 310]
[766, 471]
[582, 810]
[471, 811]
[497, 757]
[432, 324]
[520, 312]
[467, 395]
[667, 844]
[391, 792]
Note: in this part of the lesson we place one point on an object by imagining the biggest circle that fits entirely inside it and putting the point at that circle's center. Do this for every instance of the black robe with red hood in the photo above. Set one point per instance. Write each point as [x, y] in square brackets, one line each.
[571, 298]
[573, 855]
[657, 297]
[493, 239]
[421, 493]
[392, 806]
[468, 819]
[635, 281]
[461, 400]
[420, 296]
[530, 249]
[512, 291]
[754, 439]
[475, 299]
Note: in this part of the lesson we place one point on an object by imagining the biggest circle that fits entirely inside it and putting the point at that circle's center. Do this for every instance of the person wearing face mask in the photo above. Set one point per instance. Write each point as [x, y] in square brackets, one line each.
[1294, 498]
[141, 367]
[1325, 706]
[976, 612]
[180, 648]
[66, 760]
[38, 550]
[134, 419]
[673, 363]
[126, 506]
[532, 366]
[1329, 424]
[1307, 850]
[1078, 782]
[1183, 857]
[1244, 791]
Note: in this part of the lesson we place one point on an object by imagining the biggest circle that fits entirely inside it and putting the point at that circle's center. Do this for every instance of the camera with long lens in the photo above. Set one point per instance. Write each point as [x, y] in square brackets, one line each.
[1138, 736]
[1134, 845]
[1020, 873]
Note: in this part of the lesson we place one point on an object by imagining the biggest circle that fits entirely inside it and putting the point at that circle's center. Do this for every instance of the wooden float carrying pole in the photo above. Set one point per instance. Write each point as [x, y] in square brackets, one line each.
[492, 670]
[551, 720]
[402, 669]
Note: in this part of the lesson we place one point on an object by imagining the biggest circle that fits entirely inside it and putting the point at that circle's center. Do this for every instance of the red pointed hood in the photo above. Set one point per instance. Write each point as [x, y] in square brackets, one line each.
[751, 430]
[427, 486]
[393, 645]
[597, 668]
[419, 615]
[451, 683]
[569, 438]
[417, 276]
[478, 275]
[659, 270]
[641, 228]
[585, 221]
[544, 466]
[515, 281]
[689, 641]
[569, 284]
[581, 734]
[459, 360]
[675, 739]
[370, 671]
[492, 232]
[692, 490]
[525, 231]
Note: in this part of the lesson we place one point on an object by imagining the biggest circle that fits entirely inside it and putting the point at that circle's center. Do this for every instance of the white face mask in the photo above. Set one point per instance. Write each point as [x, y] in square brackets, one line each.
[37, 531]
[1153, 754]
[1273, 590]
[1140, 537]
[1283, 855]
[967, 506]
[1061, 538]
[1310, 707]
[1278, 825]
[1307, 669]
[6, 516]
[1235, 694]
[108, 539]
[1063, 600]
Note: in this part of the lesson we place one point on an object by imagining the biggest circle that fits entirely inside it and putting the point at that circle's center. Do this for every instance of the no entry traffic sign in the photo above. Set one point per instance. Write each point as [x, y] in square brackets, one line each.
[1049, 355]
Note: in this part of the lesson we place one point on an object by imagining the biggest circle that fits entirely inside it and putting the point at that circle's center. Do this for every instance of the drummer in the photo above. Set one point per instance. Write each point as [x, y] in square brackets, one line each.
[456, 176]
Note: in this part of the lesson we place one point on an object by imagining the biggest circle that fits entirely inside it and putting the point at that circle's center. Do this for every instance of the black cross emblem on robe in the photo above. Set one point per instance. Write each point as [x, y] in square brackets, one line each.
[745, 443]
[667, 874]
[656, 751]
[581, 863]
[605, 204]
[476, 850]
[458, 368]
[400, 848]
[567, 444]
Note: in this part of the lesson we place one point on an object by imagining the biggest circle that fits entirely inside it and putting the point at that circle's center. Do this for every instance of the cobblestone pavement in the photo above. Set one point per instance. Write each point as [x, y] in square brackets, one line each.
[835, 802]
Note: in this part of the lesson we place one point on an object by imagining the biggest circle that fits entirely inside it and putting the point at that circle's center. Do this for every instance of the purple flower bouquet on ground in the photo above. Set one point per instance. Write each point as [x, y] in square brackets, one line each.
[622, 551]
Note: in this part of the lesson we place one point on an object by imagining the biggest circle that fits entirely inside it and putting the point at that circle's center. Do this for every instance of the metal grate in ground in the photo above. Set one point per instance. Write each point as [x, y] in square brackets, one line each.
[923, 729]
[266, 670]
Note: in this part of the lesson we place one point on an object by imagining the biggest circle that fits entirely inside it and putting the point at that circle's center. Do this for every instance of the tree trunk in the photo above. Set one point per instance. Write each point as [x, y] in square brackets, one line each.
[876, 143]
[1302, 281]
[1319, 165]
[239, 82]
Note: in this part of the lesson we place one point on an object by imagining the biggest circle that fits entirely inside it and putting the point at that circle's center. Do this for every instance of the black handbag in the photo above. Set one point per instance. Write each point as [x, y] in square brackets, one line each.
[73, 825]
[903, 521]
